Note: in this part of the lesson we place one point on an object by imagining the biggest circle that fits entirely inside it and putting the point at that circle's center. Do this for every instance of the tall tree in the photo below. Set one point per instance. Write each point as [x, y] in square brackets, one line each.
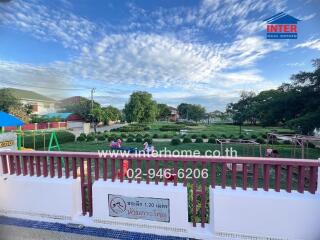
[7, 100]
[163, 111]
[140, 108]
[82, 108]
[191, 111]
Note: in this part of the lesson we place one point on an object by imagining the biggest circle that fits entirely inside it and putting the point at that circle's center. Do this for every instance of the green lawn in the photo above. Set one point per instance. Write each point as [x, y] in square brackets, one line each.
[285, 151]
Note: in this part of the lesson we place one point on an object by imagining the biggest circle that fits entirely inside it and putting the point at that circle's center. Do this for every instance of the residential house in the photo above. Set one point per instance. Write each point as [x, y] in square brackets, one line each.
[40, 104]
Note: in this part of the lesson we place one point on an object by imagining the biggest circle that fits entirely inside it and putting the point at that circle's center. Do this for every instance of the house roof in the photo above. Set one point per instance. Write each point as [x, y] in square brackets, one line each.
[282, 18]
[29, 95]
[64, 115]
[8, 120]
[72, 100]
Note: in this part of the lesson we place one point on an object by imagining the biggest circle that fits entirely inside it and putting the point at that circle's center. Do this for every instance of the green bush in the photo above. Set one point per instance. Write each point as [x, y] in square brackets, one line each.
[83, 135]
[90, 138]
[139, 139]
[261, 141]
[199, 140]
[187, 140]
[213, 135]
[131, 135]
[132, 128]
[111, 138]
[148, 140]
[165, 136]
[311, 145]
[175, 141]
[241, 136]
[204, 136]
[81, 138]
[253, 136]
[231, 136]
[172, 127]
[223, 136]
[286, 142]
[194, 136]
[130, 139]
[155, 135]
[264, 136]
[146, 135]
[123, 135]
[139, 135]
[101, 137]
[211, 140]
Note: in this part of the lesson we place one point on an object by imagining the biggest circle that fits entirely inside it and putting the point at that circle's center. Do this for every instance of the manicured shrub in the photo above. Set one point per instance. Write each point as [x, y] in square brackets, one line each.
[187, 140]
[241, 136]
[165, 136]
[130, 139]
[199, 140]
[148, 140]
[286, 142]
[264, 136]
[131, 135]
[253, 136]
[155, 135]
[261, 141]
[175, 141]
[223, 136]
[111, 138]
[311, 145]
[194, 136]
[211, 140]
[83, 135]
[172, 127]
[146, 135]
[204, 136]
[139, 139]
[139, 135]
[213, 135]
[90, 138]
[81, 138]
[231, 136]
[124, 135]
[101, 137]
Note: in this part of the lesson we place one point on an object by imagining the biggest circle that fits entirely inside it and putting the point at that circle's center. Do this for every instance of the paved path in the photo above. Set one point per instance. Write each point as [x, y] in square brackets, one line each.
[23, 233]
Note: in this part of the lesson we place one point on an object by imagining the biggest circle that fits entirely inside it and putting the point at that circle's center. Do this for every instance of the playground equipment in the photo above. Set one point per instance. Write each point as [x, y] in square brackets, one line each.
[52, 145]
[247, 146]
[298, 141]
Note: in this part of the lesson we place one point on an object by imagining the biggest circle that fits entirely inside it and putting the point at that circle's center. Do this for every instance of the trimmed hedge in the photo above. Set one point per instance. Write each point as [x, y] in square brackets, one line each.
[199, 140]
[81, 138]
[139, 139]
[187, 140]
[193, 136]
[261, 141]
[175, 141]
[155, 135]
[148, 140]
[204, 136]
[211, 140]
[172, 127]
[130, 139]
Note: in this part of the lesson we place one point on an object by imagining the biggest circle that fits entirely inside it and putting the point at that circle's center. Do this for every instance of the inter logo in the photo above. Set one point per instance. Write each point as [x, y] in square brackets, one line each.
[282, 26]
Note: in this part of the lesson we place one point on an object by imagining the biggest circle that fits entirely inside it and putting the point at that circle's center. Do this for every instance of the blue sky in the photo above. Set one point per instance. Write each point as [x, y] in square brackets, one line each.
[203, 52]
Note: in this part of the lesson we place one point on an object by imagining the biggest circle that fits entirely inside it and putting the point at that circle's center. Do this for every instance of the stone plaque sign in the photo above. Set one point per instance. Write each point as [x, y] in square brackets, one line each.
[8, 141]
[145, 208]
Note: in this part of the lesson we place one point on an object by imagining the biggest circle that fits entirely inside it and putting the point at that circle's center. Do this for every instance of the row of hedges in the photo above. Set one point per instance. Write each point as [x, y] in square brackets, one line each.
[138, 127]
[172, 127]
[40, 140]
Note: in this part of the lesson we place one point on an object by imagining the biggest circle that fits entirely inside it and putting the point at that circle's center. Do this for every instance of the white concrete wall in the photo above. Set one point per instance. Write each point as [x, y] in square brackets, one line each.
[266, 214]
[46, 199]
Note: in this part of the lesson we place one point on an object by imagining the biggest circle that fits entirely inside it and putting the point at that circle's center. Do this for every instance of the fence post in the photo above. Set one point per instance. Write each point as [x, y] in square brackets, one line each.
[318, 183]
[36, 126]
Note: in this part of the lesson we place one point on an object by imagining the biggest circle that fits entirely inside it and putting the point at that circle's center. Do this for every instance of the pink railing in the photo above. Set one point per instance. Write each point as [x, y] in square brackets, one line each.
[242, 172]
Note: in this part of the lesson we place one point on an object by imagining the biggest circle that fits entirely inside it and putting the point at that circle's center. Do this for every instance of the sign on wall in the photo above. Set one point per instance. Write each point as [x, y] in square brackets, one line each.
[8, 141]
[145, 208]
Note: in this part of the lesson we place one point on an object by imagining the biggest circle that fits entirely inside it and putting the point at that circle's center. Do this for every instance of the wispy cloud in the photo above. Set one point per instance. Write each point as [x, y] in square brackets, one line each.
[312, 44]
[148, 52]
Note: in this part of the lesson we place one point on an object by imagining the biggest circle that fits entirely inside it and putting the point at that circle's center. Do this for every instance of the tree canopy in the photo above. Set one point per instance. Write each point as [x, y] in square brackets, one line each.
[140, 108]
[191, 111]
[295, 104]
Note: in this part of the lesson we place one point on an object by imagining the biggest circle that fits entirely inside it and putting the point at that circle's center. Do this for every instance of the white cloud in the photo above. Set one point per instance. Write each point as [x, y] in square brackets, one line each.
[312, 44]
